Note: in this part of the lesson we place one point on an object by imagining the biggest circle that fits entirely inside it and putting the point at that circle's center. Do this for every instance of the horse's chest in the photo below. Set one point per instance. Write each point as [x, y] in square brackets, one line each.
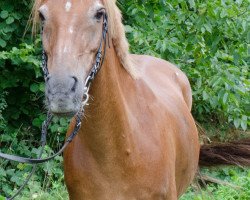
[118, 191]
[132, 181]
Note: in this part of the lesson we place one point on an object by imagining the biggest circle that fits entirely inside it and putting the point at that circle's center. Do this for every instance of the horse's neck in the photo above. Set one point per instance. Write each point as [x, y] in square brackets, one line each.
[106, 129]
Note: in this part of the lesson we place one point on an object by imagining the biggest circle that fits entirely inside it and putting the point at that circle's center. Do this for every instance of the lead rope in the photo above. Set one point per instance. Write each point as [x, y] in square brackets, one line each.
[43, 143]
[93, 72]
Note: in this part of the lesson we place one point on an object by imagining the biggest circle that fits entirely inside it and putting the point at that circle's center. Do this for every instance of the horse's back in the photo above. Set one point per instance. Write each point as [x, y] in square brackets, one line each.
[170, 110]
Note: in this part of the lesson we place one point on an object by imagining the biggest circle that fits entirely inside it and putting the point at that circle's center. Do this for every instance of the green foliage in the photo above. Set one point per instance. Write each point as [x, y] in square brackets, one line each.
[209, 41]
[13, 20]
[19, 66]
[57, 192]
[239, 189]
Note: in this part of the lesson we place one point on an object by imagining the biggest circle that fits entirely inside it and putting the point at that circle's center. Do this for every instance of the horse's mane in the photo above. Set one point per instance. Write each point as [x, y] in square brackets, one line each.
[116, 32]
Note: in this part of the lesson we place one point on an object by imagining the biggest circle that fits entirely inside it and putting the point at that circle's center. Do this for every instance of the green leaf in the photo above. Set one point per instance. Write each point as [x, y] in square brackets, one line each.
[191, 3]
[54, 128]
[208, 27]
[10, 20]
[225, 97]
[21, 166]
[128, 29]
[2, 172]
[37, 122]
[223, 14]
[34, 87]
[63, 121]
[243, 125]
[2, 43]
[237, 122]
[61, 129]
[205, 95]
[4, 14]
[2, 198]
[42, 87]
[239, 2]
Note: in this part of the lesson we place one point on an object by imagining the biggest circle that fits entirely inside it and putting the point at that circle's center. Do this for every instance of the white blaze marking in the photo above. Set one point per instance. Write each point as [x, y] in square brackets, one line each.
[68, 6]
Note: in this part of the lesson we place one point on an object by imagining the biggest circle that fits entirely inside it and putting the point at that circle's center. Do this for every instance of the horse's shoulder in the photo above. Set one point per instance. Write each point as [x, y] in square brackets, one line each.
[163, 74]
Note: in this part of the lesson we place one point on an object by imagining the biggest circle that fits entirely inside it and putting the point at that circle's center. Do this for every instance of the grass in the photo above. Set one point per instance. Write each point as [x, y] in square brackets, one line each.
[235, 186]
[59, 194]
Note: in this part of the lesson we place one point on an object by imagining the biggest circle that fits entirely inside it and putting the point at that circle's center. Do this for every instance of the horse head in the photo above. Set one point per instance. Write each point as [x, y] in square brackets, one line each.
[72, 34]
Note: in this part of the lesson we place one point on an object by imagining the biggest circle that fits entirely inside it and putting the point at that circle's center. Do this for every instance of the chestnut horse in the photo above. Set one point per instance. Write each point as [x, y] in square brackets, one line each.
[138, 139]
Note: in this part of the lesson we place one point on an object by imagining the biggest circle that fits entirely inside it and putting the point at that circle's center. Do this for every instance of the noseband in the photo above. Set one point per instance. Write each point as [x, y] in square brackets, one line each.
[100, 56]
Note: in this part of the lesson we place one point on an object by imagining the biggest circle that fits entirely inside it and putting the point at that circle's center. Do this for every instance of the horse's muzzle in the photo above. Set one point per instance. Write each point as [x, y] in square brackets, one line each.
[63, 94]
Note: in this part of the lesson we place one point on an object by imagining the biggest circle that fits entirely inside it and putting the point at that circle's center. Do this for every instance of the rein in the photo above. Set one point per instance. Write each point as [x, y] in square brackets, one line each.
[100, 56]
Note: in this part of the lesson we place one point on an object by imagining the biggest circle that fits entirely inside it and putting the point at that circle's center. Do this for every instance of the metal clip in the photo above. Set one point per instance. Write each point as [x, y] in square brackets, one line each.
[79, 124]
[86, 99]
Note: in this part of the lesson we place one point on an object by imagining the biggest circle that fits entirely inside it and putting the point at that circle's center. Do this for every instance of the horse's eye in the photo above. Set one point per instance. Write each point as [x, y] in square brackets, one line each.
[99, 14]
[41, 16]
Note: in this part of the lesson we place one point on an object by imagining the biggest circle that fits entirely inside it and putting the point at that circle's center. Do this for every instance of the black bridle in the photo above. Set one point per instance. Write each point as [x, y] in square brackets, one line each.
[100, 56]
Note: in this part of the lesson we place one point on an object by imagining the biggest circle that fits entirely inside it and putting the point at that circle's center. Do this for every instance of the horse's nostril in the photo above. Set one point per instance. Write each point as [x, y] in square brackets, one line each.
[73, 89]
